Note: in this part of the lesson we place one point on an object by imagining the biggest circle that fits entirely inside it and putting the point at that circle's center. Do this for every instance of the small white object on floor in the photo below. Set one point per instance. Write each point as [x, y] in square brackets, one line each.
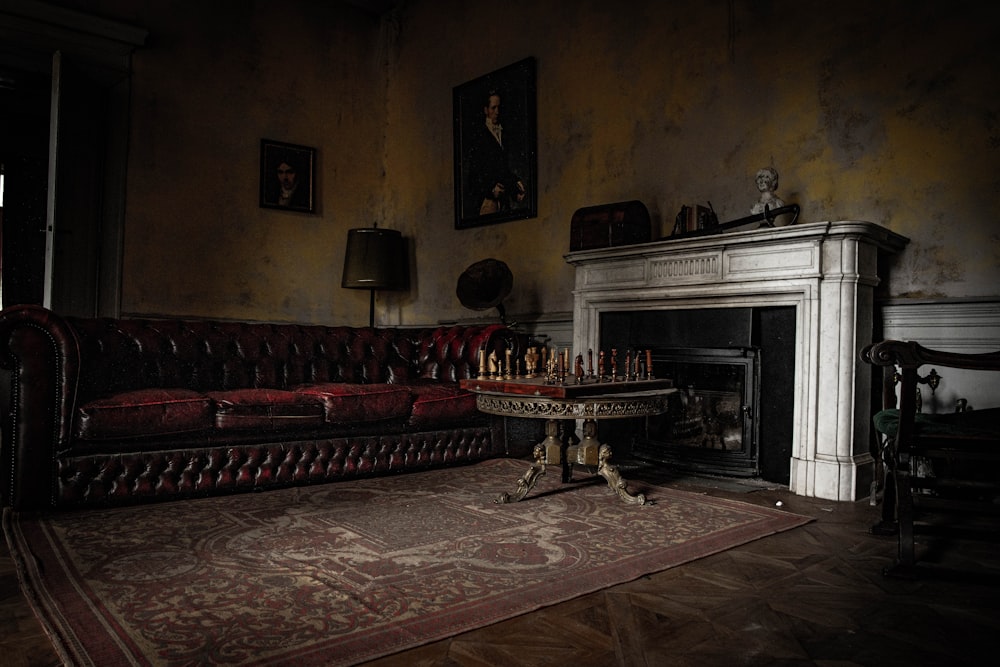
[778, 504]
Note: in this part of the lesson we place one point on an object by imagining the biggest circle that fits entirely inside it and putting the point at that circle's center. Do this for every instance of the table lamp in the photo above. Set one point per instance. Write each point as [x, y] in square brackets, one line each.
[375, 260]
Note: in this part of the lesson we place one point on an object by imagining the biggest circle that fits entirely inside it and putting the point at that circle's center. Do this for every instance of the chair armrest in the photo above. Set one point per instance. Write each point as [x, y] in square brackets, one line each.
[910, 354]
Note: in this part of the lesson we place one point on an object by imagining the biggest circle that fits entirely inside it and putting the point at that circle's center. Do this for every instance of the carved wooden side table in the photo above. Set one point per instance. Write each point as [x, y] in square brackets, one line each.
[533, 398]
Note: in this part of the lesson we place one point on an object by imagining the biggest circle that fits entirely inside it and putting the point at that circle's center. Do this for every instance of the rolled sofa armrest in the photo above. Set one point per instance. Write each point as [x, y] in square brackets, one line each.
[40, 361]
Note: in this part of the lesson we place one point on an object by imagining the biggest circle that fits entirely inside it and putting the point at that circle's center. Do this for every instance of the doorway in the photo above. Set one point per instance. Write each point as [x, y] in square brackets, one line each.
[64, 94]
[24, 138]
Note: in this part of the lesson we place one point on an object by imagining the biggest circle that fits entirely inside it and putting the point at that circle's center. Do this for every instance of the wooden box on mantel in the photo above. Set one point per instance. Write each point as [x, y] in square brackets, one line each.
[607, 225]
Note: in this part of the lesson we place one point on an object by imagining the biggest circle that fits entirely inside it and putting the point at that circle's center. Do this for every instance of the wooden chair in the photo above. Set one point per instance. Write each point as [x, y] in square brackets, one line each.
[960, 498]
[886, 422]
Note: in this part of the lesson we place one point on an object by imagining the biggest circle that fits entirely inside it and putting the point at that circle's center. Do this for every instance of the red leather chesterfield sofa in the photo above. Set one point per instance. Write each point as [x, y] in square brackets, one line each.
[111, 411]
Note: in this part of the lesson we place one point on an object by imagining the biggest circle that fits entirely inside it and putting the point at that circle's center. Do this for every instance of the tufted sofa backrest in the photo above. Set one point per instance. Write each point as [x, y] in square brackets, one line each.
[118, 355]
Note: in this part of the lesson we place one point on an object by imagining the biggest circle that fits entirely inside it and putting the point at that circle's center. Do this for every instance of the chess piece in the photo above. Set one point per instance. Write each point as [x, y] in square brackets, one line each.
[531, 362]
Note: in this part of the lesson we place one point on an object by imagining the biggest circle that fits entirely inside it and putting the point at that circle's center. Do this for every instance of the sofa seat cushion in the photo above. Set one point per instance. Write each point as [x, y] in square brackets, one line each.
[265, 409]
[437, 403]
[346, 403]
[144, 412]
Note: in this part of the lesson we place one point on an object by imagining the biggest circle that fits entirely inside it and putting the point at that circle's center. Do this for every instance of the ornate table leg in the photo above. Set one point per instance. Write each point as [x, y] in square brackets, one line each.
[588, 451]
[618, 485]
[566, 437]
[527, 481]
[583, 452]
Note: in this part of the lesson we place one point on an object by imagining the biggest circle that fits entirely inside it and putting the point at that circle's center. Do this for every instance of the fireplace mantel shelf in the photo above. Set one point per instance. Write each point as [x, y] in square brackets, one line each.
[826, 270]
[884, 238]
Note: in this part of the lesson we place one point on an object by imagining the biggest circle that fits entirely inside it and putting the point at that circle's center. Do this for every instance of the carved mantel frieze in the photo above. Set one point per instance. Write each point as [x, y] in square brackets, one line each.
[696, 267]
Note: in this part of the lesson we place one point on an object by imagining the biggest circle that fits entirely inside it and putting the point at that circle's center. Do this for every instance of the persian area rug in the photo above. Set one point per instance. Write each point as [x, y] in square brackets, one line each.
[342, 573]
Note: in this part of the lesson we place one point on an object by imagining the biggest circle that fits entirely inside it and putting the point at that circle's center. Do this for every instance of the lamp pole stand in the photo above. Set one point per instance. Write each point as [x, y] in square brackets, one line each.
[371, 310]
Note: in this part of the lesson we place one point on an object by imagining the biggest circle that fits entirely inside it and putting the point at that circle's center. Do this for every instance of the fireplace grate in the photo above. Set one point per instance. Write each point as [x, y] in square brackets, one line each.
[711, 426]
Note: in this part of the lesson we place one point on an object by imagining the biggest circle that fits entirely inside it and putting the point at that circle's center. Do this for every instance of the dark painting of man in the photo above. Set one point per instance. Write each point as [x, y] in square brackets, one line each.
[286, 176]
[495, 147]
[491, 181]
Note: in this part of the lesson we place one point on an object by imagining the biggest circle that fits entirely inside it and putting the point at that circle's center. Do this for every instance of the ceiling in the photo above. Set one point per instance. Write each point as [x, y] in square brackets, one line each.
[374, 6]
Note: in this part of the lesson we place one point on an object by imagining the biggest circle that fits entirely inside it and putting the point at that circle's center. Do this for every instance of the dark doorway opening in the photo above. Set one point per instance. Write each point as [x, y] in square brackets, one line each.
[24, 145]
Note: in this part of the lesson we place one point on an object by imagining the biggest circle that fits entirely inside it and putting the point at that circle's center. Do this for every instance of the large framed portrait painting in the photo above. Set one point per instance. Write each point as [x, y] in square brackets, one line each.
[287, 176]
[496, 176]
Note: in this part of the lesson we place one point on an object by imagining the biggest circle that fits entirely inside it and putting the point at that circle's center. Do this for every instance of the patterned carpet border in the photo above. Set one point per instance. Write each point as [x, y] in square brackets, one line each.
[343, 573]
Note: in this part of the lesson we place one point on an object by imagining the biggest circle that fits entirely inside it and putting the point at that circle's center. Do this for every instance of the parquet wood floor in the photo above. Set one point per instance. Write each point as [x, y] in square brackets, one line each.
[811, 596]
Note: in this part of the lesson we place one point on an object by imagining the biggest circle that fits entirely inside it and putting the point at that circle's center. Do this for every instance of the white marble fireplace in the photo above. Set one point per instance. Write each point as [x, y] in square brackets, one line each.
[826, 270]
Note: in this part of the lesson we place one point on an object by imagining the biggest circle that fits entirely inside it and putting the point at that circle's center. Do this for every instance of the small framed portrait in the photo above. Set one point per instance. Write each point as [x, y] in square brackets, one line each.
[287, 175]
[496, 161]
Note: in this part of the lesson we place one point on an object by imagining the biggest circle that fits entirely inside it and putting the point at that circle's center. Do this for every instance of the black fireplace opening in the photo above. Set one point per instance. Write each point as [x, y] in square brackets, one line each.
[710, 425]
[734, 372]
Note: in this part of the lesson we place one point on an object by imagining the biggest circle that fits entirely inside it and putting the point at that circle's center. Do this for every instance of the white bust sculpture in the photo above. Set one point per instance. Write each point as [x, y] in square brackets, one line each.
[767, 183]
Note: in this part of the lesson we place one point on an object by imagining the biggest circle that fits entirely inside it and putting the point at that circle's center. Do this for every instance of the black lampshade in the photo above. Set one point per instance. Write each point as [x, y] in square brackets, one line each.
[375, 259]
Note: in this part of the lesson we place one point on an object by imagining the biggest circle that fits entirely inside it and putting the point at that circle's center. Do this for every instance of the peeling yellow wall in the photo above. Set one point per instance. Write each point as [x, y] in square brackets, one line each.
[881, 111]
[874, 111]
[213, 80]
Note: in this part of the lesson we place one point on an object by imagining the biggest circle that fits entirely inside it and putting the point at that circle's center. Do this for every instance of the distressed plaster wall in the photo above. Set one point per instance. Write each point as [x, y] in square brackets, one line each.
[883, 111]
[214, 79]
[875, 111]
